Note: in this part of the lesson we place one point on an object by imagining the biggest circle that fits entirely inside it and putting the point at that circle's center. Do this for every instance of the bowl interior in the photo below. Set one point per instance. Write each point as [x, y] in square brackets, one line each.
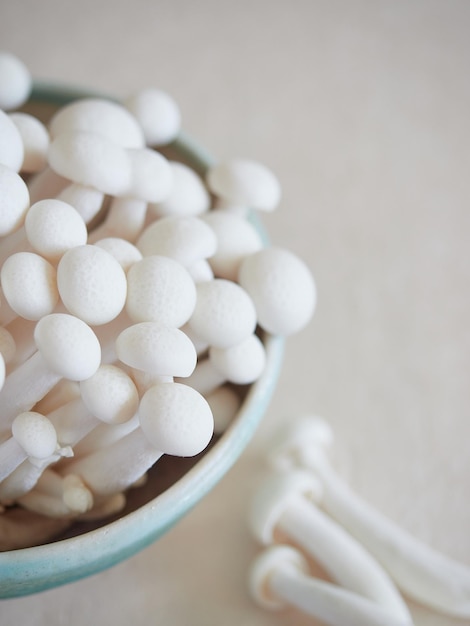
[174, 484]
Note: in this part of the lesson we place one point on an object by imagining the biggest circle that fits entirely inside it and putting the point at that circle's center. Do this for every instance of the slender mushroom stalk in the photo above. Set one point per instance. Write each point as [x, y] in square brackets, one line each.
[174, 419]
[66, 348]
[240, 364]
[421, 572]
[58, 496]
[283, 504]
[279, 577]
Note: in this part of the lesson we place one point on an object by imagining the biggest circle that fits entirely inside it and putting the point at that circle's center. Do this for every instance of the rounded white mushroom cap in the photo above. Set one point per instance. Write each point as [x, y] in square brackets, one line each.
[92, 160]
[35, 434]
[152, 176]
[157, 113]
[242, 363]
[35, 139]
[160, 289]
[53, 227]
[15, 81]
[186, 239]
[282, 289]
[176, 419]
[224, 314]
[110, 395]
[97, 115]
[157, 349]
[125, 253]
[29, 285]
[11, 146]
[14, 200]
[189, 195]
[246, 183]
[236, 239]
[92, 284]
[68, 346]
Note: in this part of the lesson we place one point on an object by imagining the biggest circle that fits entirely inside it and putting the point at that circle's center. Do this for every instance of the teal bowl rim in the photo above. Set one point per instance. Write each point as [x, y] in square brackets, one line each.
[31, 570]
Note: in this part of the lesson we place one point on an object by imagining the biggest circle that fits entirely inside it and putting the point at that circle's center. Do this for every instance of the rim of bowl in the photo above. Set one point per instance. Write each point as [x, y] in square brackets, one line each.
[30, 570]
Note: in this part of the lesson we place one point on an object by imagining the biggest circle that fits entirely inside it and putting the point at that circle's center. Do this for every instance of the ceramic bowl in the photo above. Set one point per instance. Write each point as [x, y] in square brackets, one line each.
[174, 485]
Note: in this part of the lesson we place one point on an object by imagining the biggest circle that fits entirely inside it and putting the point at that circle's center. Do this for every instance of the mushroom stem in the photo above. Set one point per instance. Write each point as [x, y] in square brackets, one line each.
[421, 572]
[279, 576]
[125, 218]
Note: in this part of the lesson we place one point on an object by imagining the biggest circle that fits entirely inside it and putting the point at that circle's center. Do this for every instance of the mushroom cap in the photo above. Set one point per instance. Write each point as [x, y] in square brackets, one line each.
[176, 419]
[68, 346]
[301, 438]
[125, 253]
[245, 182]
[160, 289]
[110, 395]
[272, 559]
[186, 239]
[236, 239]
[273, 496]
[92, 284]
[224, 314]
[188, 196]
[282, 289]
[242, 363]
[158, 349]
[152, 176]
[35, 139]
[93, 160]
[29, 285]
[14, 199]
[97, 115]
[15, 81]
[157, 113]
[53, 226]
[35, 434]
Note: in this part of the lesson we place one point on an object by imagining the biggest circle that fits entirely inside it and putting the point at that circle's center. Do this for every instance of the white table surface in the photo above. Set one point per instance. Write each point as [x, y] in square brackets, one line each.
[362, 110]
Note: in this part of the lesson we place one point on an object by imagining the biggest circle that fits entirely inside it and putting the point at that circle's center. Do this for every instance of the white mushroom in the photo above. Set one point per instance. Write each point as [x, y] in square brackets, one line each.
[92, 284]
[124, 218]
[96, 115]
[29, 285]
[282, 288]
[32, 436]
[157, 113]
[160, 289]
[241, 364]
[157, 349]
[152, 176]
[87, 201]
[279, 577]
[15, 81]
[174, 420]
[421, 572]
[53, 226]
[188, 196]
[66, 348]
[11, 146]
[186, 239]
[14, 202]
[92, 160]
[224, 314]
[35, 139]
[125, 253]
[245, 182]
[237, 238]
[283, 504]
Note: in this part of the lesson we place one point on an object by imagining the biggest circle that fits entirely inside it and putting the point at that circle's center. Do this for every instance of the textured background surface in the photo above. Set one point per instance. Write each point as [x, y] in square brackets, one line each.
[361, 109]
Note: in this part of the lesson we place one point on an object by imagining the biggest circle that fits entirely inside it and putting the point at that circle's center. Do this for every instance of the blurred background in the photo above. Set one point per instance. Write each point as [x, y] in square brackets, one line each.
[361, 108]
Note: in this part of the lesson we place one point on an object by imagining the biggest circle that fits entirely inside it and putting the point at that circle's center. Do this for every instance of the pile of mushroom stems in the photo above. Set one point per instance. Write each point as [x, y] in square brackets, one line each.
[133, 288]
